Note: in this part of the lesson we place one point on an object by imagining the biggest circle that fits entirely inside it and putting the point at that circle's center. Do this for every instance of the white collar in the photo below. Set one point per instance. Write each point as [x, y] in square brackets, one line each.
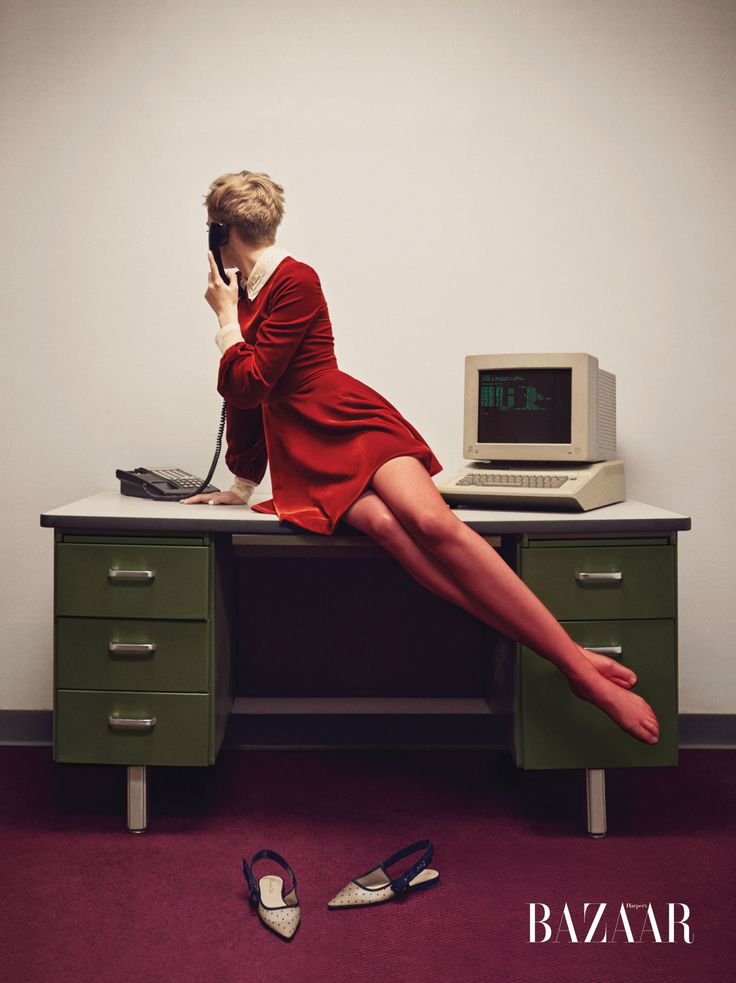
[265, 265]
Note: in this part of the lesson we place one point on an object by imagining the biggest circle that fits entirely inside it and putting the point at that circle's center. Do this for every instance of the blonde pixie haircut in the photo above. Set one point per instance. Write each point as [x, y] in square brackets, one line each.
[248, 200]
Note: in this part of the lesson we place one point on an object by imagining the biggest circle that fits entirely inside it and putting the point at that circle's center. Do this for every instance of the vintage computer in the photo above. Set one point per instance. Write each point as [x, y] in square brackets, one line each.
[540, 433]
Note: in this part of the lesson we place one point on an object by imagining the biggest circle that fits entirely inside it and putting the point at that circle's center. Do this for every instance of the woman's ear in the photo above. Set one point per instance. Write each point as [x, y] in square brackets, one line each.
[236, 237]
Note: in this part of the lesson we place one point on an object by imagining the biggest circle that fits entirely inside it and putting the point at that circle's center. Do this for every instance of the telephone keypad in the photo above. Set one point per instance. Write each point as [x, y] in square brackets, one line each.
[178, 477]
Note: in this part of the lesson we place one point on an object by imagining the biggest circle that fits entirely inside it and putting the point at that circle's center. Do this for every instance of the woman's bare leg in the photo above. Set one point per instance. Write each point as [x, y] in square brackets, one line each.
[407, 489]
[371, 515]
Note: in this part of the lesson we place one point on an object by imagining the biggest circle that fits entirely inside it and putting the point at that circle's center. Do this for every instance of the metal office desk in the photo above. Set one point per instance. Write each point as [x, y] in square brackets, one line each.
[157, 604]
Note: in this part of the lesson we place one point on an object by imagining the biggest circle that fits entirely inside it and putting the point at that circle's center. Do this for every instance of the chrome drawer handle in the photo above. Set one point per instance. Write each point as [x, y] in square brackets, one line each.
[599, 578]
[131, 574]
[131, 648]
[604, 649]
[135, 723]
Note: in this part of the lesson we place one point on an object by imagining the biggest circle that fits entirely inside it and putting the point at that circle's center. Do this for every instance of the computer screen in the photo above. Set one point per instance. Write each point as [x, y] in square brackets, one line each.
[538, 406]
[528, 406]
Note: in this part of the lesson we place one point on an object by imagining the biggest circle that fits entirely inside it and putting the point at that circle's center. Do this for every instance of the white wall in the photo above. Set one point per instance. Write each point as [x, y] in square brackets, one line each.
[466, 177]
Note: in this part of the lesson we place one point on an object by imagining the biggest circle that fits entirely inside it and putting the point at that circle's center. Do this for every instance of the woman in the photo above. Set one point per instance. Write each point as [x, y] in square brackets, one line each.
[338, 450]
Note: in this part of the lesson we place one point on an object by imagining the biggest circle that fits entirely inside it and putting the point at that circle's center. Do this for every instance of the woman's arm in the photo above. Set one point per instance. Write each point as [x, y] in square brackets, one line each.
[248, 373]
[246, 455]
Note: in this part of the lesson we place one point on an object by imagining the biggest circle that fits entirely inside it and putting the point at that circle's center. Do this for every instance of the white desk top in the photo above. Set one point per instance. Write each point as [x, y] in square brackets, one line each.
[109, 511]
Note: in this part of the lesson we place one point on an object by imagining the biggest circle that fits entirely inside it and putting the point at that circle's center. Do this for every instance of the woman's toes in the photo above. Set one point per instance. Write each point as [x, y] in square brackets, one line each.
[653, 730]
[610, 669]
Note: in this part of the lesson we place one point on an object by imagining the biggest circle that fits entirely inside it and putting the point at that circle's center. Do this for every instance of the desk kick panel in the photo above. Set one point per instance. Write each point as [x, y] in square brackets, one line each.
[352, 627]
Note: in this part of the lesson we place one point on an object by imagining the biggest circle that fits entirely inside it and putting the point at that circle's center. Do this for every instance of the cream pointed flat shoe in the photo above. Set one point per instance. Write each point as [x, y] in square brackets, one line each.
[376, 886]
[278, 911]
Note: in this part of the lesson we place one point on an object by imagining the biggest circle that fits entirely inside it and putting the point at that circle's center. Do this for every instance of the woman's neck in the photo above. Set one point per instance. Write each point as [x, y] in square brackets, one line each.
[247, 255]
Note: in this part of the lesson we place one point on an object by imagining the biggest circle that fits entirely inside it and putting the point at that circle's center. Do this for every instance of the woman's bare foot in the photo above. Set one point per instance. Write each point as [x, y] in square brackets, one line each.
[632, 713]
[609, 668]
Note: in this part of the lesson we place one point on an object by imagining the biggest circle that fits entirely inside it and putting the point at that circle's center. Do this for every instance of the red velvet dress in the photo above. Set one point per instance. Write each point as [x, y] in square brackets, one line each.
[323, 432]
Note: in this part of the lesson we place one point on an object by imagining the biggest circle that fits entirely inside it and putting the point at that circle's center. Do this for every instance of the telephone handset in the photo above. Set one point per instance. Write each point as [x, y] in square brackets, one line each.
[219, 233]
[170, 484]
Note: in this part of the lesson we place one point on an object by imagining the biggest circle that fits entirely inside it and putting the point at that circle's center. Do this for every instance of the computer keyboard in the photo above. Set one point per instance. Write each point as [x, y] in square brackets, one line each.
[515, 480]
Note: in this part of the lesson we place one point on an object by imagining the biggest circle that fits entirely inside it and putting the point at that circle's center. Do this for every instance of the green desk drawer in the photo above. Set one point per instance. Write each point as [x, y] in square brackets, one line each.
[558, 730]
[116, 580]
[95, 653]
[179, 736]
[583, 583]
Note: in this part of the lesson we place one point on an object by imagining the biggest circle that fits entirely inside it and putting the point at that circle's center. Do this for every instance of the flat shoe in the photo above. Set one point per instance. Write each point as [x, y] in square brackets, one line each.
[375, 886]
[278, 911]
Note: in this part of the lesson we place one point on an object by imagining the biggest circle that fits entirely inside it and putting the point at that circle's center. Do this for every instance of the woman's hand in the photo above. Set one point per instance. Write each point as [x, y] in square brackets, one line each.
[222, 297]
[215, 498]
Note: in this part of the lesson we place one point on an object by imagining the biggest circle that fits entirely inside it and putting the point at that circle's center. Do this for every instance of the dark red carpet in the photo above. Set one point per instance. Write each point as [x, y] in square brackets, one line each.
[84, 901]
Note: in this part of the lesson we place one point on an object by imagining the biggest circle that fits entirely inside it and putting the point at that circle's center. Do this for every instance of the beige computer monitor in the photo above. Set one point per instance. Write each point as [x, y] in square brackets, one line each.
[541, 406]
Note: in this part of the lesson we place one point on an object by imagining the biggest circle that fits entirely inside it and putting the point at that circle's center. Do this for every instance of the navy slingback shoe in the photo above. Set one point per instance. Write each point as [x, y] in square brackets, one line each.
[376, 886]
[278, 911]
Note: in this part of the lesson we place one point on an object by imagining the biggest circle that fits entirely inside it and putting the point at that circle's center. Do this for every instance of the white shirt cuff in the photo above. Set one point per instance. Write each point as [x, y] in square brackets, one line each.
[227, 336]
[243, 488]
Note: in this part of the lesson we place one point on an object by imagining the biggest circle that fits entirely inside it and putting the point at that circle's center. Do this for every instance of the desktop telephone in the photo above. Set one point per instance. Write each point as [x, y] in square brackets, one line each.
[164, 484]
[170, 484]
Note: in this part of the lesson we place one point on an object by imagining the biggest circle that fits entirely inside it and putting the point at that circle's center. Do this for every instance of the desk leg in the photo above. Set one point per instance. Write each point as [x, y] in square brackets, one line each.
[596, 786]
[137, 798]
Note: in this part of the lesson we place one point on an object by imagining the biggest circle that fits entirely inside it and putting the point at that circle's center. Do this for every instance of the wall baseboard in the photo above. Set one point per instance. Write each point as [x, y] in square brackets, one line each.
[265, 731]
